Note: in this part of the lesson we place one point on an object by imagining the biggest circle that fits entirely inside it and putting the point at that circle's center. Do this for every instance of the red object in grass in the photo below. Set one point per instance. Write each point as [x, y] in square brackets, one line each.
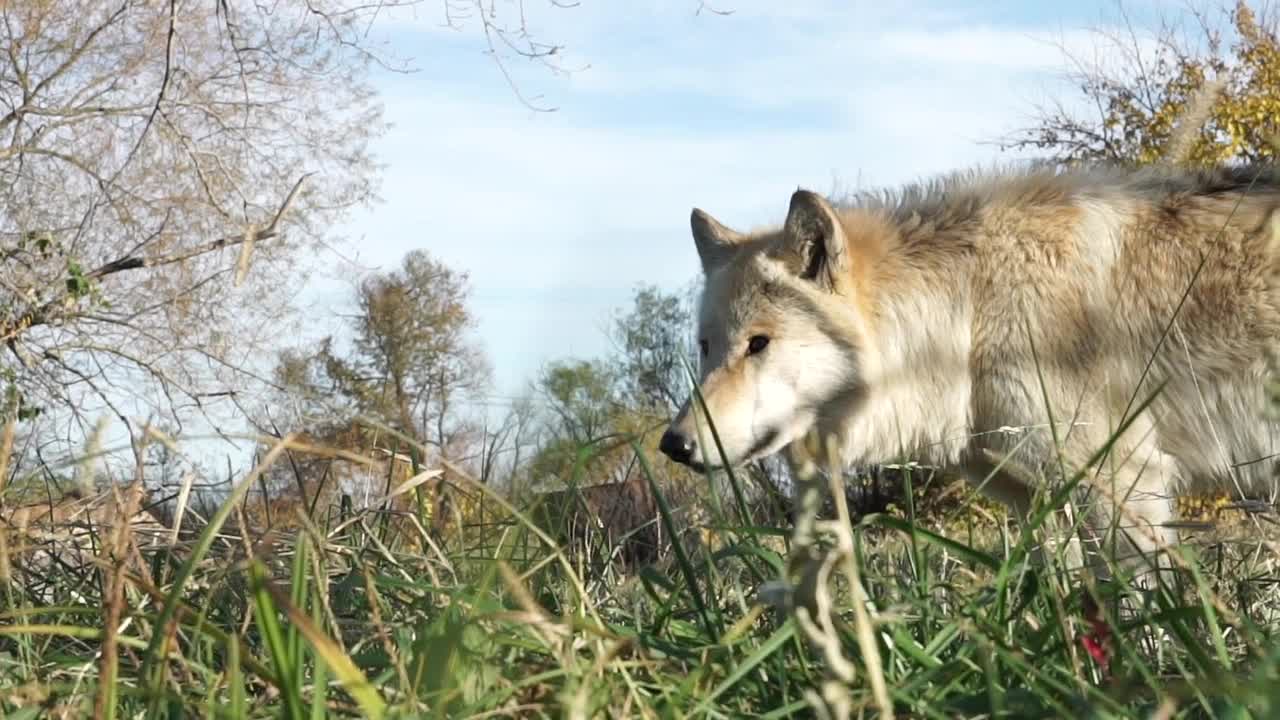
[1094, 643]
[1098, 642]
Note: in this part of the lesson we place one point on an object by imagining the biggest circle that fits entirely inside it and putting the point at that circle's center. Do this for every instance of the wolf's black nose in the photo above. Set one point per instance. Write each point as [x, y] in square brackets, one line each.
[676, 446]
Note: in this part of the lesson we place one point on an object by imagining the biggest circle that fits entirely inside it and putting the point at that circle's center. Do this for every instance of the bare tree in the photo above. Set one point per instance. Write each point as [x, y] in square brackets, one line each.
[503, 446]
[167, 169]
[164, 170]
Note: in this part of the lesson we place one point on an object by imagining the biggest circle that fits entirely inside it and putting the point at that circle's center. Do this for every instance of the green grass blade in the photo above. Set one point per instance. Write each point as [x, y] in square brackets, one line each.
[749, 663]
[153, 663]
[278, 648]
[348, 674]
[692, 585]
[235, 680]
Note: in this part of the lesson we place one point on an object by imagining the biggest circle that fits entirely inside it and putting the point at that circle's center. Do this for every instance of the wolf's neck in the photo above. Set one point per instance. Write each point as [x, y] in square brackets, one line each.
[918, 399]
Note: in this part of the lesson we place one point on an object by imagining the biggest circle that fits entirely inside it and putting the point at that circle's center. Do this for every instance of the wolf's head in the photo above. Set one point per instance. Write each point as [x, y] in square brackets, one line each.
[782, 333]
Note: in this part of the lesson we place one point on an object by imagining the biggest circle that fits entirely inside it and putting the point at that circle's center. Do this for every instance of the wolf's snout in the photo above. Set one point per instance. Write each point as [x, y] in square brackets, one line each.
[677, 446]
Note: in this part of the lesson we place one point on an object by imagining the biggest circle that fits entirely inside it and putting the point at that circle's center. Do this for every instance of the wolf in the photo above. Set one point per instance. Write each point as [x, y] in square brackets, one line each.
[1114, 321]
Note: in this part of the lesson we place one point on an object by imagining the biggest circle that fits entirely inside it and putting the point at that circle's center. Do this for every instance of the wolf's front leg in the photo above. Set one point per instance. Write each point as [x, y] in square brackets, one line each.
[1130, 506]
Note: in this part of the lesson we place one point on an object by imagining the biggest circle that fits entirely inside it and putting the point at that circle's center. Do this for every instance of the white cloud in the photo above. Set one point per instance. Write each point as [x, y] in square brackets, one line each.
[985, 48]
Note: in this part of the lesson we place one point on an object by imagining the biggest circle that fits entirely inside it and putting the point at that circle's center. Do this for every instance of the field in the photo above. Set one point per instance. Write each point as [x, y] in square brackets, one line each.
[929, 609]
[321, 394]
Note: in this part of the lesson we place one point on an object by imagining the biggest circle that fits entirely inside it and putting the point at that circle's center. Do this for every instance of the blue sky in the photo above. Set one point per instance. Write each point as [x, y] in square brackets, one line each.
[558, 216]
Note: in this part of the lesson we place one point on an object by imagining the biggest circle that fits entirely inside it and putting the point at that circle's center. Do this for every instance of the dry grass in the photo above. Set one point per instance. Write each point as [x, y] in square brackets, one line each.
[929, 609]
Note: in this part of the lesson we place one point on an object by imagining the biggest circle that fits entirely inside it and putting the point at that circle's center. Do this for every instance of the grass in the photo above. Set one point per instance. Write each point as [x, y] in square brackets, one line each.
[339, 619]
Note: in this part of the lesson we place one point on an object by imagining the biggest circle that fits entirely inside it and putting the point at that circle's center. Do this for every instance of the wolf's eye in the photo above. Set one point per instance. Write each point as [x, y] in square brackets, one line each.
[702, 345]
[756, 344]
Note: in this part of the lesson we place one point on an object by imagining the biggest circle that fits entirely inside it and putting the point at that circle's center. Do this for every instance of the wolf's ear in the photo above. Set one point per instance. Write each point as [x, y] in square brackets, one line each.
[715, 241]
[816, 236]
